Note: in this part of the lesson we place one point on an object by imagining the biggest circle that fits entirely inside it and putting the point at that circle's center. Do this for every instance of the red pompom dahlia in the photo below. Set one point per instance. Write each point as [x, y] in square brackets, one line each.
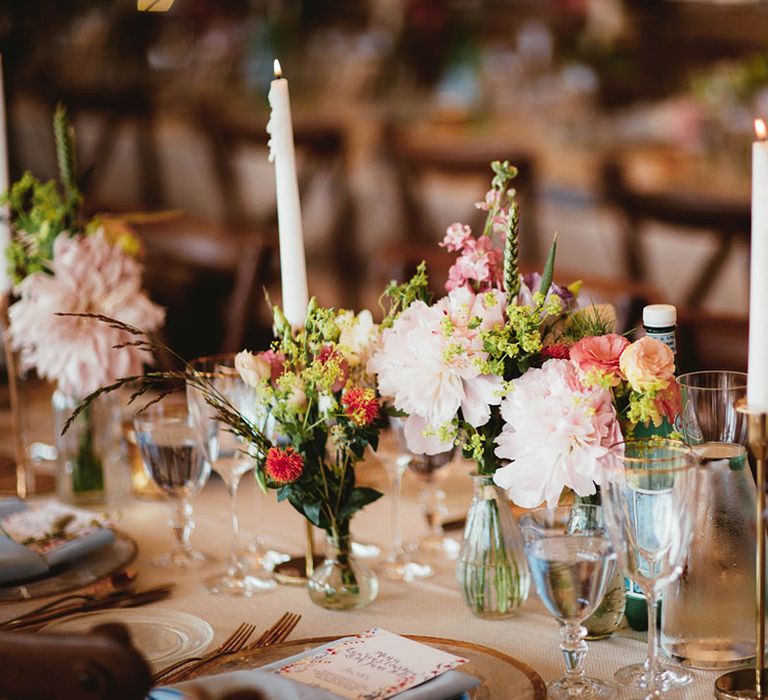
[283, 466]
[361, 405]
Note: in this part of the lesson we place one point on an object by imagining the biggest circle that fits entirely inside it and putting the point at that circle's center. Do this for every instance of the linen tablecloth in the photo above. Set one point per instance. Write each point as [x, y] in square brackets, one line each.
[431, 606]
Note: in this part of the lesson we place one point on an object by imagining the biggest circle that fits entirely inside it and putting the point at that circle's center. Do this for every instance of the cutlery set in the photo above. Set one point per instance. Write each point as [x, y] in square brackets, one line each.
[86, 602]
[236, 642]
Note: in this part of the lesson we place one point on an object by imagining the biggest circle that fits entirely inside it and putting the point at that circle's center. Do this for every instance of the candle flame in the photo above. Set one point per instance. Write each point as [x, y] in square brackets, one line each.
[279, 70]
[760, 129]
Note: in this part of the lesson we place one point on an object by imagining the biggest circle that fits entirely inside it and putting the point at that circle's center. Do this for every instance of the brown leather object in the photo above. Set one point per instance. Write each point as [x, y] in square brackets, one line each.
[102, 664]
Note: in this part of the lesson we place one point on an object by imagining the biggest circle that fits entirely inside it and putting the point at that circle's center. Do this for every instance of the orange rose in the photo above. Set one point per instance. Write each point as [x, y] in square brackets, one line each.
[648, 364]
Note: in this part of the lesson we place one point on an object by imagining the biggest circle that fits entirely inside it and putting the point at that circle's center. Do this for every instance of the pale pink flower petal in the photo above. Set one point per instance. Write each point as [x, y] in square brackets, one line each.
[88, 276]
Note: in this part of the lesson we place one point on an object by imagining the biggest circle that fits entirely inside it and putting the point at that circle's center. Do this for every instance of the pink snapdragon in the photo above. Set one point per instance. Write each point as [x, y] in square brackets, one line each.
[456, 236]
[480, 266]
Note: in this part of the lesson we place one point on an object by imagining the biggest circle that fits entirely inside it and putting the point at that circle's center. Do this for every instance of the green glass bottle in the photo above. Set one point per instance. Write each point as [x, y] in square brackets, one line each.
[660, 322]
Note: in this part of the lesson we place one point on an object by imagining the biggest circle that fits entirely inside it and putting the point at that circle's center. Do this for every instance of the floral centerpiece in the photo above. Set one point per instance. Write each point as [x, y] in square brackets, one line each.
[533, 389]
[316, 411]
[60, 264]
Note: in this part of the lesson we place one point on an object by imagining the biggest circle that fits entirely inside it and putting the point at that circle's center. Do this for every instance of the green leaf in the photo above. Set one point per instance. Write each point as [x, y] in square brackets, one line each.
[359, 497]
[549, 268]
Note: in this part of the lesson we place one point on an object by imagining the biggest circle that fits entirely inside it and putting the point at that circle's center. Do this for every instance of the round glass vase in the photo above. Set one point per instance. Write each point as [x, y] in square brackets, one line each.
[341, 582]
[492, 571]
[90, 454]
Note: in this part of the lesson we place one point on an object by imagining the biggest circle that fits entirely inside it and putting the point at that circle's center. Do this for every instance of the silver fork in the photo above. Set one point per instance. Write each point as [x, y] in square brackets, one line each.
[234, 643]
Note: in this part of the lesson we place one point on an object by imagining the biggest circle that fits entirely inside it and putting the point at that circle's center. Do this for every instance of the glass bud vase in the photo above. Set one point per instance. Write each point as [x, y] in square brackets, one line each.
[341, 582]
[90, 453]
[492, 571]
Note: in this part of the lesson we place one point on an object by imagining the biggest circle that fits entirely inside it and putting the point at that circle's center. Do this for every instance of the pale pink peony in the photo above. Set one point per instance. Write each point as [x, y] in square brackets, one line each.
[648, 364]
[555, 432]
[599, 355]
[427, 364]
[88, 276]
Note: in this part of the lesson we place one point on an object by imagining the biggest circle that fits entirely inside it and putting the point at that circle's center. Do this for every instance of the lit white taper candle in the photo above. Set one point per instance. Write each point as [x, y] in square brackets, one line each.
[757, 382]
[293, 270]
[5, 229]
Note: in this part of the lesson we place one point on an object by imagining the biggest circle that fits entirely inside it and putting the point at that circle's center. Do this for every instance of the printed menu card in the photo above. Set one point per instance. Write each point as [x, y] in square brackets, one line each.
[371, 666]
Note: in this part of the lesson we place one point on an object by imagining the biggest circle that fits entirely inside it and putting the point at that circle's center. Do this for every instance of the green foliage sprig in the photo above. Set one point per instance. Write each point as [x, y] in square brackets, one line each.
[41, 211]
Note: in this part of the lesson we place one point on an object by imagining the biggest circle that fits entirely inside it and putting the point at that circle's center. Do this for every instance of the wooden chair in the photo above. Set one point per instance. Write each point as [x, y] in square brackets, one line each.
[115, 109]
[102, 665]
[730, 222]
[709, 341]
[321, 152]
[208, 276]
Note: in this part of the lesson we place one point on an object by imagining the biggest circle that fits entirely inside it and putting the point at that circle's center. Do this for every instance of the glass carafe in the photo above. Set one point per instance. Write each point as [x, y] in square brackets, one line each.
[708, 618]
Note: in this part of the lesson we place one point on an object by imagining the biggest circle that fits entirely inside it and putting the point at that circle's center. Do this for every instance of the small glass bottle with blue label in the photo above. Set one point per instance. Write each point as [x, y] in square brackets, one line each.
[660, 322]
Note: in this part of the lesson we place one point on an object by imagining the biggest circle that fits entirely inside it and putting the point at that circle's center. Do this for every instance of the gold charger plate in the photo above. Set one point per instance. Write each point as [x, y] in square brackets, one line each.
[501, 675]
[75, 574]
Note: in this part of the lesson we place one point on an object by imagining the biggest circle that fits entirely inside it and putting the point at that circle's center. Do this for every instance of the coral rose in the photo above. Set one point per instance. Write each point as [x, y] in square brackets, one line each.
[598, 356]
[648, 364]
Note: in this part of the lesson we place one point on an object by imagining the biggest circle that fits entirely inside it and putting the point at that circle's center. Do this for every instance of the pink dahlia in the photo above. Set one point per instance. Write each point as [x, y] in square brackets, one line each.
[283, 466]
[87, 275]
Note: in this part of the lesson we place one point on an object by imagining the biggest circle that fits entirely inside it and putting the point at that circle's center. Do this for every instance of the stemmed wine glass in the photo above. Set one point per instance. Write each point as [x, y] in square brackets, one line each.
[175, 461]
[571, 559]
[399, 566]
[649, 495]
[433, 502]
[229, 457]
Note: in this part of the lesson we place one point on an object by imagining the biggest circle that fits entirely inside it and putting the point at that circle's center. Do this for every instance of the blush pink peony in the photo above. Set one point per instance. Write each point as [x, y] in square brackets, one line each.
[427, 364]
[556, 431]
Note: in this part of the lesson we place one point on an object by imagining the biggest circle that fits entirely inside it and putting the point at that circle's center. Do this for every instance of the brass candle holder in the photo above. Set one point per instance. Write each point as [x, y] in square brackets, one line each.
[753, 682]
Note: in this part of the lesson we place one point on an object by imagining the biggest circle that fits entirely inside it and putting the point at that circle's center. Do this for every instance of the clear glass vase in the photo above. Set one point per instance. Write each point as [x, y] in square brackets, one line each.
[341, 582]
[492, 571]
[91, 459]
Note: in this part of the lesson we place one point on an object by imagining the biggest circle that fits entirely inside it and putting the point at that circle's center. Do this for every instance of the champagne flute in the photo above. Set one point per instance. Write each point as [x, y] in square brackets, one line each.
[650, 488]
[175, 461]
[571, 559]
[399, 566]
[229, 457]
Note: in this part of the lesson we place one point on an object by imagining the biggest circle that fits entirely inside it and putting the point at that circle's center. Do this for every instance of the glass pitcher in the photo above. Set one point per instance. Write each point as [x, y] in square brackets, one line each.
[708, 618]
